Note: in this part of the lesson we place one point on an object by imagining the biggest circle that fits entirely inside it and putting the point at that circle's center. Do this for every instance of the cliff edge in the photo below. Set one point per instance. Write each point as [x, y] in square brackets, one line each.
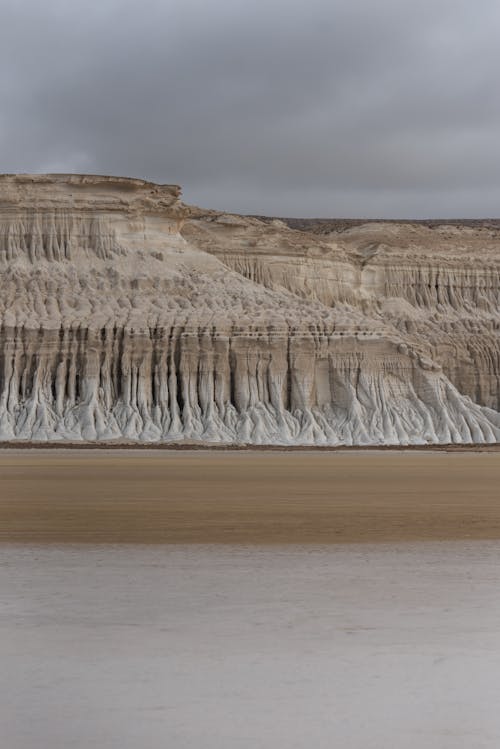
[127, 315]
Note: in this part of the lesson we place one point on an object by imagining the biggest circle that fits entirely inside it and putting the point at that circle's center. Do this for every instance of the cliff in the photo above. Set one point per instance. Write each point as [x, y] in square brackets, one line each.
[126, 315]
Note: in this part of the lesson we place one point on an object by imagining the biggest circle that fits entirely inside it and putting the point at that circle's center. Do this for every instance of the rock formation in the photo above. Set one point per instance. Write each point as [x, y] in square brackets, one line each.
[126, 315]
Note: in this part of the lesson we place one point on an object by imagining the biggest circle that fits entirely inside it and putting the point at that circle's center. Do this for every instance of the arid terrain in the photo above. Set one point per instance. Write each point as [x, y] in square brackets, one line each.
[247, 497]
[127, 315]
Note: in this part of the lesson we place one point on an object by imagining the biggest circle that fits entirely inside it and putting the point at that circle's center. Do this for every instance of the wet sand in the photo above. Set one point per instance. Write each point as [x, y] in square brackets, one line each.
[247, 497]
[233, 647]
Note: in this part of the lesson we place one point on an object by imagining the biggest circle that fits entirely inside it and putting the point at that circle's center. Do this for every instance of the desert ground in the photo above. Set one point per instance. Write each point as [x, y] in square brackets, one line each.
[225, 647]
[247, 497]
[249, 599]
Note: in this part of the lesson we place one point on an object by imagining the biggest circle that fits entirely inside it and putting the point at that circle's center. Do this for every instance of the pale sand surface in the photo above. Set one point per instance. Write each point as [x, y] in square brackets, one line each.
[359, 646]
[220, 647]
[247, 497]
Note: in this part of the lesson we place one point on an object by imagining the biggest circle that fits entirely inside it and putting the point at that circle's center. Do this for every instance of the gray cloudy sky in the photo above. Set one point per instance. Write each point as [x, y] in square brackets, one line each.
[382, 108]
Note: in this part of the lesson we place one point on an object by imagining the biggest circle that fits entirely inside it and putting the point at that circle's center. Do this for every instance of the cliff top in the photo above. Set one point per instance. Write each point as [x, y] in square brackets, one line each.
[86, 192]
[87, 180]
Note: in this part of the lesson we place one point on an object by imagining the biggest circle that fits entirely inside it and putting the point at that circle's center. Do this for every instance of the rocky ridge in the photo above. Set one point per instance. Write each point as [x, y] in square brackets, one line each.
[126, 315]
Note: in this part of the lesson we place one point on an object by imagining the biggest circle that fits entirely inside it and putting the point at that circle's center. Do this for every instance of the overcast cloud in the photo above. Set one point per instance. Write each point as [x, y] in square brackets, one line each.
[374, 108]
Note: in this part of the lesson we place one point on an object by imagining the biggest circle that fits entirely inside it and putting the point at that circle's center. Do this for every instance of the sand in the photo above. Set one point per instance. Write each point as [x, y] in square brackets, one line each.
[221, 647]
[247, 497]
[217, 639]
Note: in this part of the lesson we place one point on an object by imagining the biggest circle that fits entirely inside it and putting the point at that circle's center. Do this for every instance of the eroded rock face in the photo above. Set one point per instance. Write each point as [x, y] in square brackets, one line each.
[126, 315]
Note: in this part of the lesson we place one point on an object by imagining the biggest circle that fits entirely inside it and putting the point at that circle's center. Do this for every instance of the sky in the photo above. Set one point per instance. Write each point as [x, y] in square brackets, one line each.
[324, 108]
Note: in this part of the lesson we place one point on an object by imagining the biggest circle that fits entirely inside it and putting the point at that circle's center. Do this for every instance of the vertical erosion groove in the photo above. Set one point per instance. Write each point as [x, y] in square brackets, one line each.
[119, 384]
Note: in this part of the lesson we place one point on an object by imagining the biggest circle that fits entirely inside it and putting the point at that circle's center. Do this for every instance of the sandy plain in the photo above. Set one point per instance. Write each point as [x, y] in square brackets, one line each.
[94, 496]
[238, 647]
[143, 603]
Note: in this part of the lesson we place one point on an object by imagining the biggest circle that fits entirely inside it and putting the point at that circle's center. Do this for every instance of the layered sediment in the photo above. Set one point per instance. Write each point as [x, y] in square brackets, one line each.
[126, 315]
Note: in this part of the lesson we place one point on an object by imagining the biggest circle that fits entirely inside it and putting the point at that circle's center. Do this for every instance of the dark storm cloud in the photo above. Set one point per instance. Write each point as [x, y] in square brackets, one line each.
[331, 107]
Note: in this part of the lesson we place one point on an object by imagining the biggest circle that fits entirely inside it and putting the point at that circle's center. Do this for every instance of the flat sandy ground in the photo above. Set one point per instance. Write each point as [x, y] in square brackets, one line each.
[245, 647]
[247, 497]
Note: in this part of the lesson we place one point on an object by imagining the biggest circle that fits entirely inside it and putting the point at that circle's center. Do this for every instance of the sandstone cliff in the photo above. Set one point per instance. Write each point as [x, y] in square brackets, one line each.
[126, 315]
